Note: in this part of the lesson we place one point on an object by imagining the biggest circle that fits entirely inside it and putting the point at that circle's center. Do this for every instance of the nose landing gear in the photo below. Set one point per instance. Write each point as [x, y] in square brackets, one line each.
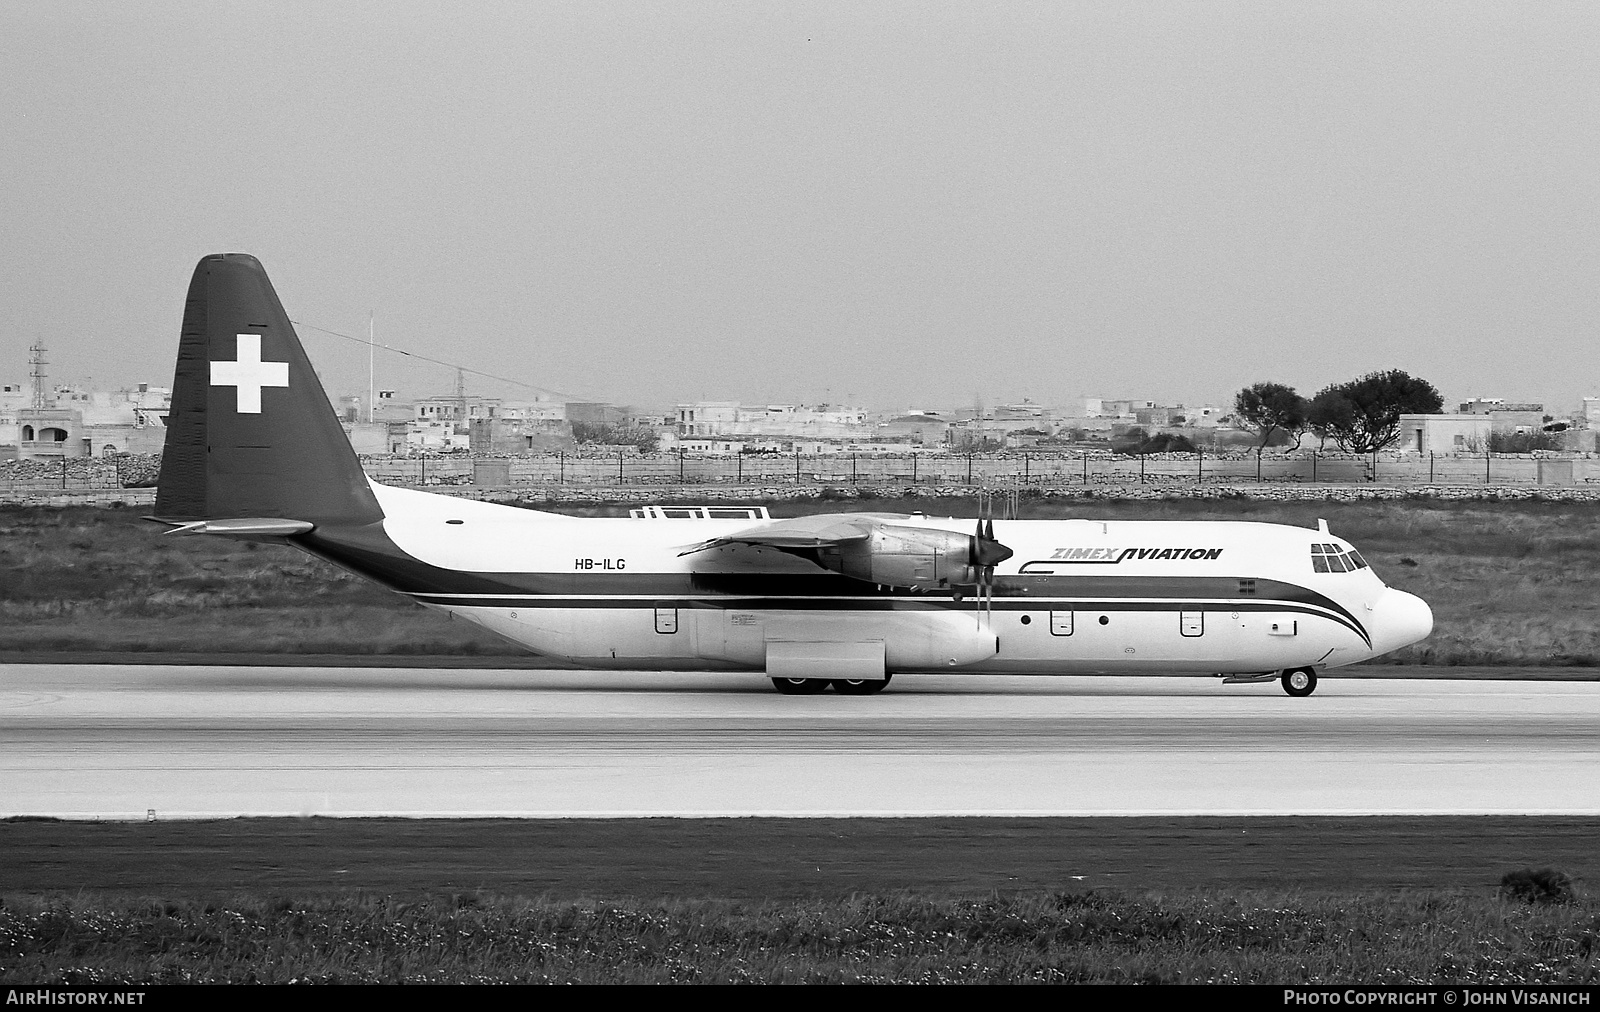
[1300, 681]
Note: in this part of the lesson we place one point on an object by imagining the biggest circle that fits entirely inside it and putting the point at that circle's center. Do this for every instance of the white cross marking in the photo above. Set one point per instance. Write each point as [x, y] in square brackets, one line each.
[249, 374]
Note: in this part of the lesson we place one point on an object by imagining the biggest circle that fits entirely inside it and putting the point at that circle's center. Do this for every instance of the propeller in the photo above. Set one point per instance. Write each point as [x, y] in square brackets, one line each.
[983, 554]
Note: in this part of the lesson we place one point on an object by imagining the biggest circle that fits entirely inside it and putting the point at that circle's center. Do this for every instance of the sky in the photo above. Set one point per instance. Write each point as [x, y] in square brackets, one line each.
[886, 204]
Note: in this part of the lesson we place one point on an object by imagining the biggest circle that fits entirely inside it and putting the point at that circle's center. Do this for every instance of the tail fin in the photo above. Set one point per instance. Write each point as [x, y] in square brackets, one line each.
[251, 433]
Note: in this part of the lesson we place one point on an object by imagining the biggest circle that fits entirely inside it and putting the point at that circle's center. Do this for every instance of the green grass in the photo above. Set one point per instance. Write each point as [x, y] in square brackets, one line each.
[1509, 582]
[1055, 937]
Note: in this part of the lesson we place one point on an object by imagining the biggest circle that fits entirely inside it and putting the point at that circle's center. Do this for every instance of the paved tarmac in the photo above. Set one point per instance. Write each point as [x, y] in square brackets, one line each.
[120, 741]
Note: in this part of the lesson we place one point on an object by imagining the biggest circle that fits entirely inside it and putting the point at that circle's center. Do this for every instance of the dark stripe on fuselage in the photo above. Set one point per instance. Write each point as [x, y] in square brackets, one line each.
[873, 604]
[368, 550]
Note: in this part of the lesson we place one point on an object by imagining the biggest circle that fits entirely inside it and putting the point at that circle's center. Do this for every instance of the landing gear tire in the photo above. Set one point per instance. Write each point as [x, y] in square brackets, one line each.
[860, 686]
[1300, 681]
[800, 686]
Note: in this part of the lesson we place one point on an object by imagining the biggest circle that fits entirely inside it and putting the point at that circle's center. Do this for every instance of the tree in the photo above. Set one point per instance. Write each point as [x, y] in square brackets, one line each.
[1363, 415]
[1137, 441]
[1328, 415]
[1523, 442]
[1270, 408]
[1167, 442]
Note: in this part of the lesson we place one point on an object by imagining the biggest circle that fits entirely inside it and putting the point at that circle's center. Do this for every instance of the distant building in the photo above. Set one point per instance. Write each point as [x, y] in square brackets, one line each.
[1490, 405]
[51, 432]
[924, 428]
[453, 409]
[1157, 417]
[708, 418]
[596, 413]
[367, 437]
[536, 410]
[711, 444]
[1114, 407]
[1507, 416]
[1203, 415]
[729, 418]
[1591, 412]
[13, 397]
[1026, 411]
[520, 435]
[1462, 432]
[418, 436]
[86, 423]
[386, 409]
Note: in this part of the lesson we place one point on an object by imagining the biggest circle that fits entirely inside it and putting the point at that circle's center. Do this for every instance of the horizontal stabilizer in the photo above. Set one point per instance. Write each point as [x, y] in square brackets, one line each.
[242, 527]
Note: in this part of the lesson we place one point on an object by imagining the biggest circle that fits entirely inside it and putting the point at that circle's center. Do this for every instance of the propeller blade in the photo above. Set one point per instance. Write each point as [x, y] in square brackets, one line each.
[983, 554]
[975, 560]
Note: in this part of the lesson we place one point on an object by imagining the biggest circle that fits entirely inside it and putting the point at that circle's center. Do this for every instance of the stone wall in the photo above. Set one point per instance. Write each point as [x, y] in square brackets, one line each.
[669, 478]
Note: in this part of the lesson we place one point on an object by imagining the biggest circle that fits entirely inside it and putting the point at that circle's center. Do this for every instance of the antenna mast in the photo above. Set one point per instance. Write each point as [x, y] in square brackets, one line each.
[371, 345]
[37, 362]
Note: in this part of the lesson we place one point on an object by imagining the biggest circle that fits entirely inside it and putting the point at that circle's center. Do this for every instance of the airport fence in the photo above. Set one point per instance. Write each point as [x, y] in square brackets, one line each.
[1043, 470]
[1005, 470]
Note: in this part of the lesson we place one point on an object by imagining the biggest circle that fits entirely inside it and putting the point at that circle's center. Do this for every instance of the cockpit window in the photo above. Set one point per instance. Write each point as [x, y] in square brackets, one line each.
[1326, 558]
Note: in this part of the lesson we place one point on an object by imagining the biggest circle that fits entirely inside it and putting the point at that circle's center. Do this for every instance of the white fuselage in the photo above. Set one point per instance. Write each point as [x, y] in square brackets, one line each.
[1077, 596]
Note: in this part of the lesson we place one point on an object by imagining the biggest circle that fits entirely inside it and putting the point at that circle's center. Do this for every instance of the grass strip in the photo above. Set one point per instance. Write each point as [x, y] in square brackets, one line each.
[771, 858]
[1058, 937]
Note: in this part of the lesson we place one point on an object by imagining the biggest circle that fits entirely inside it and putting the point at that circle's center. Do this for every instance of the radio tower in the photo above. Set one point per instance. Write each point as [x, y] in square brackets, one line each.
[37, 363]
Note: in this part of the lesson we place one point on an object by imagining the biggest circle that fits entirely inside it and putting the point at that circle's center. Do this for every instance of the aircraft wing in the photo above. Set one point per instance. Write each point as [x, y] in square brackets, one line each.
[802, 532]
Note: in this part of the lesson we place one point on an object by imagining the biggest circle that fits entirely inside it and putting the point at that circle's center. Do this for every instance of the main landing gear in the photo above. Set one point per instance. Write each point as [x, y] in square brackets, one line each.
[1300, 681]
[843, 686]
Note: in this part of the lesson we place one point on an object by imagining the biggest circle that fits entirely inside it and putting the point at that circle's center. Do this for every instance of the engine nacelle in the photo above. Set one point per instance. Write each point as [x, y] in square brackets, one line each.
[905, 557]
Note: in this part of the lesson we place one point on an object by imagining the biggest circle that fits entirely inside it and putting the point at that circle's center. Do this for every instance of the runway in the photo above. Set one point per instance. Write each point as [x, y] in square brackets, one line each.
[121, 741]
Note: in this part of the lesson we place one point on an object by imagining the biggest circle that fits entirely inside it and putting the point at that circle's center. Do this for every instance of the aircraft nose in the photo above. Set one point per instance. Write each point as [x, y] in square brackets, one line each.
[1401, 619]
